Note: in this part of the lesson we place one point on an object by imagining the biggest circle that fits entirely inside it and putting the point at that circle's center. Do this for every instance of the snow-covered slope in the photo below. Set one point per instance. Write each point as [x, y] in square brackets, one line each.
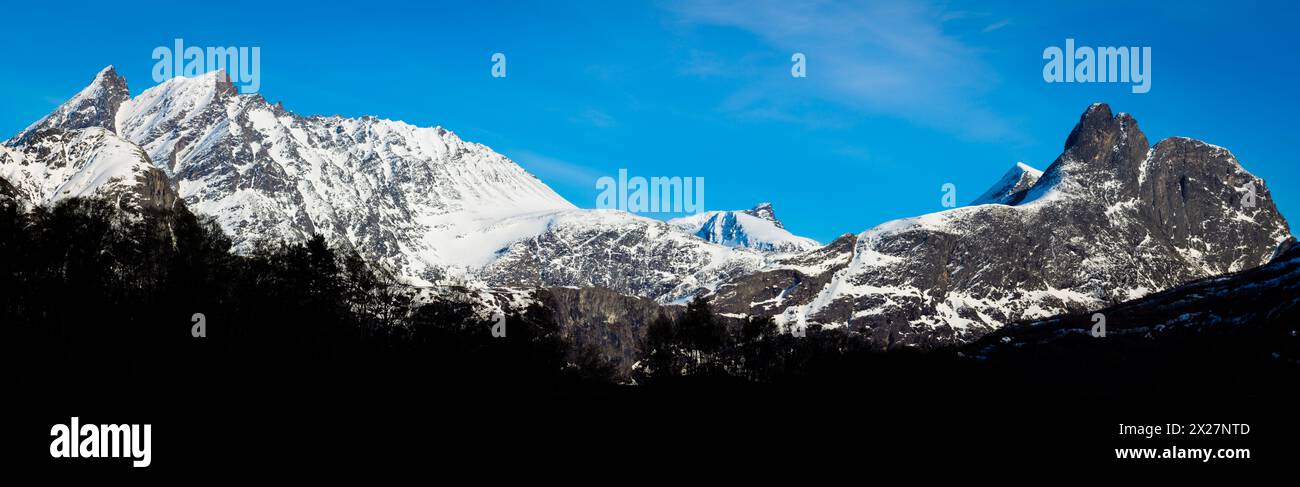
[49, 165]
[415, 199]
[756, 228]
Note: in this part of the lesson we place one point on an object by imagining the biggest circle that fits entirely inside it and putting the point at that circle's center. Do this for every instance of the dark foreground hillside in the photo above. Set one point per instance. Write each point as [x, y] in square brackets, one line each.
[311, 357]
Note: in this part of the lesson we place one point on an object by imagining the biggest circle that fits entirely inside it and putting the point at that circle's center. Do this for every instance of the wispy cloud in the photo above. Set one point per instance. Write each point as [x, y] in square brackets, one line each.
[595, 118]
[552, 170]
[888, 58]
[706, 64]
[996, 25]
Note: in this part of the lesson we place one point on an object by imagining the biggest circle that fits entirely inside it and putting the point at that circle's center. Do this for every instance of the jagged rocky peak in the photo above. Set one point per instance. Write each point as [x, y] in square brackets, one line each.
[764, 210]
[1098, 130]
[95, 105]
[1011, 187]
[221, 79]
[1101, 147]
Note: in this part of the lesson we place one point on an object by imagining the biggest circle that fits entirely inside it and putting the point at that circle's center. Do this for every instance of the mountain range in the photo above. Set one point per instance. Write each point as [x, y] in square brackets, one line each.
[1112, 219]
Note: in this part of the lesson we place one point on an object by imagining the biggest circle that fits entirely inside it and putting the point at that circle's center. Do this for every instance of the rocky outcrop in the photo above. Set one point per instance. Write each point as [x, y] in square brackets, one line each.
[610, 324]
[765, 211]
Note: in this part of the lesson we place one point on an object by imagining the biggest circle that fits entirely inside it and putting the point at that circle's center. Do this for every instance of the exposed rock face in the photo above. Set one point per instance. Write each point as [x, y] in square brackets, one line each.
[1112, 219]
[611, 324]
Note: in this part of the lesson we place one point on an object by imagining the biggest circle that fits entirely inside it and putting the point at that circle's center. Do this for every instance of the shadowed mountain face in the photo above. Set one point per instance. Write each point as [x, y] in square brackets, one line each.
[1264, 298]
[1112, 219]
[1234, 332]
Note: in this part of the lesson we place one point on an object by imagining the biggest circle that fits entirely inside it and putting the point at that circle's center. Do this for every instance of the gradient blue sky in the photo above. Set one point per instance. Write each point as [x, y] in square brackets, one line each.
[900, 98]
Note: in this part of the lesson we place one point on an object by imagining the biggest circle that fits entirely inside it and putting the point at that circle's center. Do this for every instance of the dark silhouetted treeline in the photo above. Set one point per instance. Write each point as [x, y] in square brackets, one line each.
[706, 350]
[88, 291]
[94, 292]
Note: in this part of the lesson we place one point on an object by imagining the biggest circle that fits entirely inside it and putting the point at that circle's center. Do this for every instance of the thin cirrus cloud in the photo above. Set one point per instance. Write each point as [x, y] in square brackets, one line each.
[553, 170]
[996, 25]
[595, 118]
[888, 58]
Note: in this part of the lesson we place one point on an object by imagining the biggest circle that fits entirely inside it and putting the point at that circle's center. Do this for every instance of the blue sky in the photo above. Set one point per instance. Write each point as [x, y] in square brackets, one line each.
[900, 97]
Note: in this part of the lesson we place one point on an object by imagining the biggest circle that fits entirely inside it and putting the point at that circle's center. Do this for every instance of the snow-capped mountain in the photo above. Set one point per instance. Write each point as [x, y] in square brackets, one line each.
[420, 201]
[414, 199]
[1112, 219]
[1012, 187]
[756, 228]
